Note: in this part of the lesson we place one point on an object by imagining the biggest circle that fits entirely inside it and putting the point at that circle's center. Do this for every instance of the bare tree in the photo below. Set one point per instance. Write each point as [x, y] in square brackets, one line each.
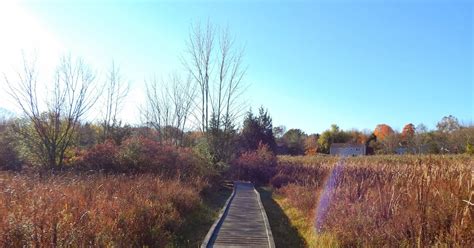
[217, 69]
[168, 107]
[230, 87]
[154, 113]
[115, 93]
[199, 47]
[53, 126]
[182, 95]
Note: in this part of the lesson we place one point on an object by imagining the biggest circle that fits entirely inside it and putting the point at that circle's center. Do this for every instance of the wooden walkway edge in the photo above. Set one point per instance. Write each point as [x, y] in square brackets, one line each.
[242, 221]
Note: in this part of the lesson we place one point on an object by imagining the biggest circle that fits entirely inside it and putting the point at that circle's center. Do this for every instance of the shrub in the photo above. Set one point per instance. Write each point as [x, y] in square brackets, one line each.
[9, 157]
[142, 155]
[189, 164]
[255, 166]
[139, 154]
[100, 157]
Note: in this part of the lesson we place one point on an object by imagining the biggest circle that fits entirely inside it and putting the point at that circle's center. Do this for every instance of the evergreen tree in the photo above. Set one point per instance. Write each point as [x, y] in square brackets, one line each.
[256, 130]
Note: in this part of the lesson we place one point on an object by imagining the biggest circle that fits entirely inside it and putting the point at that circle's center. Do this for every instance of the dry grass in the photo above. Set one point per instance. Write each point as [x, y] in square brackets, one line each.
[383, 201]
[93, 210]
[303, 224]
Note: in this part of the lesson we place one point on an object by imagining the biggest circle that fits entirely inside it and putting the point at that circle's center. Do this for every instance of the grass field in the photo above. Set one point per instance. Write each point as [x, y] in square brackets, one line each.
[98, 210]
[375, 201]
[378, 201]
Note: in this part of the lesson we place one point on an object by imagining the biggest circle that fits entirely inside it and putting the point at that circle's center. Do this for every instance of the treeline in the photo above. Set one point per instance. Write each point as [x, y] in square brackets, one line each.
[134, 149]
[449, 137]
[47, 140]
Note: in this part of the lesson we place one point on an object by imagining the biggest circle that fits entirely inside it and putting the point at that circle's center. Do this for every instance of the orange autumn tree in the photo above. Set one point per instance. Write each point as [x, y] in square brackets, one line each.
[382, 131]
[358, 137]
[408, 131]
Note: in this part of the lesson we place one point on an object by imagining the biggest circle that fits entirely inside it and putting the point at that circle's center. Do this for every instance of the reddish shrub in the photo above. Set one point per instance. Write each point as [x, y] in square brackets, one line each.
[255, 166]
[100, 157]
[141, 155]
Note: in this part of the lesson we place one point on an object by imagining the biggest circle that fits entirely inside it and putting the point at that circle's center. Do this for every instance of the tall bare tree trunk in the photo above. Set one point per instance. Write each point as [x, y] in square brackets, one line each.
[115, 92]
[222, 86]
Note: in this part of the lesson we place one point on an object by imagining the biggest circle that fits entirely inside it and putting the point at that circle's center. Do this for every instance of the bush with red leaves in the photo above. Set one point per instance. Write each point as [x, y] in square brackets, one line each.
[139, 154]
[142, 155]
[101, 157]
[256, 166]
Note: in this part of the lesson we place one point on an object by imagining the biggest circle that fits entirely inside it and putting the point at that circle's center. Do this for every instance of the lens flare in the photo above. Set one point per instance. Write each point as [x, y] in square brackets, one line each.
[326, 196]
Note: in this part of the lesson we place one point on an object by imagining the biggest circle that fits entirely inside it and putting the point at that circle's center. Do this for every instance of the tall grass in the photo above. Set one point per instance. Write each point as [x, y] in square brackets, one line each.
[93, 210]
[383, 201]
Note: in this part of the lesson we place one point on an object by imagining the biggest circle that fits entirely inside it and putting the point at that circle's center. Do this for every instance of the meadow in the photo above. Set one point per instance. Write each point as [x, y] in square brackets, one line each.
[72, 210]
[325, 201]
[378, 201]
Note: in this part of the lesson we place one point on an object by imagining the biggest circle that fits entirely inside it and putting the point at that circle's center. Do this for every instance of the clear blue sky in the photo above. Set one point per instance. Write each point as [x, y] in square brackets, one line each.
[311, 63]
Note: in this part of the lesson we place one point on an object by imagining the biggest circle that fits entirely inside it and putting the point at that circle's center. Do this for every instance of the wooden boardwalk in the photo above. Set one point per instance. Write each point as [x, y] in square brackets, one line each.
[242, 222]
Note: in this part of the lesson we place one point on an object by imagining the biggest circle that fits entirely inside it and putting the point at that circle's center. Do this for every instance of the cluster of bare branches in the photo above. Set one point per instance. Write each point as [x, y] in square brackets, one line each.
[216, 67]
[210, 92]
[74, 92]
[115, 93]
[168, 107]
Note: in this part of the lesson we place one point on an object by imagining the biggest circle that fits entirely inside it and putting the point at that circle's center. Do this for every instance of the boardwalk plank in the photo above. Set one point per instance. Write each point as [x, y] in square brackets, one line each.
[243, 222]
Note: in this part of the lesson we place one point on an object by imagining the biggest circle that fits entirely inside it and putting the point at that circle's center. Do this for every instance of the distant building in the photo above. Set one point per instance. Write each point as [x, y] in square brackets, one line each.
[348, 149]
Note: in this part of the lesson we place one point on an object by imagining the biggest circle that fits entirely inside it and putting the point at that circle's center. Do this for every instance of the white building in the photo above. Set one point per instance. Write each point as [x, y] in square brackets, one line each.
[347, 149]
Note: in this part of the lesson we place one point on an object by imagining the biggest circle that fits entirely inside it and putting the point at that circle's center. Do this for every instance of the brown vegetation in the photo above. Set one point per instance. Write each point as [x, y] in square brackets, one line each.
[142, 155]
[385, 200]
[93, 210]
[255, 166]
